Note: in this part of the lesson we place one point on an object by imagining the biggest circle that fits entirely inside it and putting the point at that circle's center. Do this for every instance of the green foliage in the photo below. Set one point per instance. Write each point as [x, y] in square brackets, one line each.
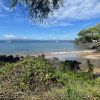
[90, 68]
[90, 65]
[76, 41]
[38, 78]
[8, 67]
[89, 34]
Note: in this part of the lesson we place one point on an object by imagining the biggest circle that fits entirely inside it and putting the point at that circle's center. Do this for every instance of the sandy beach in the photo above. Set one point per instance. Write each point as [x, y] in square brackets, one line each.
[86, 54]
[80, 56]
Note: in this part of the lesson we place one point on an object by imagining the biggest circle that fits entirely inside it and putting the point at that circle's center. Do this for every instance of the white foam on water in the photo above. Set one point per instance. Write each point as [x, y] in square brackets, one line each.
[85, 51]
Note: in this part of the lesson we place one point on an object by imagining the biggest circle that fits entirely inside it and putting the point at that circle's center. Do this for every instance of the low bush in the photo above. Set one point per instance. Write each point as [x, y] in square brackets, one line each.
[46, 79]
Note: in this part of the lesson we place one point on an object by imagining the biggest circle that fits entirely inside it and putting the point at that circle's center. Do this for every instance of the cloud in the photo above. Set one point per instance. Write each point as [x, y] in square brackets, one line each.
[3, 15]
[73, 10]
[1, 2]
[55, 23]
[9, 36]
[3, 7]
[12, 36]
[79, 10]
[3, 10]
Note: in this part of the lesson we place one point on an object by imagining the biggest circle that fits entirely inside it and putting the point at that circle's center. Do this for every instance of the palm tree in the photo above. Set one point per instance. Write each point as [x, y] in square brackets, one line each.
[38, 9]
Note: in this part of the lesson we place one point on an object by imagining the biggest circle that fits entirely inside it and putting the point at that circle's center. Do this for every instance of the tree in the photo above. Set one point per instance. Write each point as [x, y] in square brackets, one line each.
[89, 34]
[38, 9]
[83, 34]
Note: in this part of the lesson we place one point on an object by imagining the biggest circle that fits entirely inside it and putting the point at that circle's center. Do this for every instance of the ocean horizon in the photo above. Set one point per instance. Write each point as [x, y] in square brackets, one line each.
[37, 46]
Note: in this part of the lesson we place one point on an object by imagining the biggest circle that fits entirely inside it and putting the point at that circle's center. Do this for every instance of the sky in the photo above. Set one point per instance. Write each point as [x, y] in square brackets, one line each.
[66, 22]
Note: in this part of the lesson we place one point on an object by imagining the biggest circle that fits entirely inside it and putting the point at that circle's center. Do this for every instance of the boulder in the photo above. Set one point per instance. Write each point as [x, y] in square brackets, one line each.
[72, 65]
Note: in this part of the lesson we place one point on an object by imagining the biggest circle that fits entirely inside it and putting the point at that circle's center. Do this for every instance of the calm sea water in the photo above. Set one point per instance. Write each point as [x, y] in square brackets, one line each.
[29, 47]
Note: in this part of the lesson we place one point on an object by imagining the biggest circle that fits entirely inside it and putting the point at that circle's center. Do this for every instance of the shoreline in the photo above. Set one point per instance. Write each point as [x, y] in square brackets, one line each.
[80, 56]
[72, 52]
[72, 55]
[84, 54]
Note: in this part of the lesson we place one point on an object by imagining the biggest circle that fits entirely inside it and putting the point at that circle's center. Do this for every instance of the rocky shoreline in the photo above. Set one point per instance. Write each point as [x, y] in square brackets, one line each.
[80, 56]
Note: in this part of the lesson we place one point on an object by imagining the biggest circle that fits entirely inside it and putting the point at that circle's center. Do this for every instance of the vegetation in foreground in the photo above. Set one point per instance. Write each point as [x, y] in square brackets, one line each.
[37, 78]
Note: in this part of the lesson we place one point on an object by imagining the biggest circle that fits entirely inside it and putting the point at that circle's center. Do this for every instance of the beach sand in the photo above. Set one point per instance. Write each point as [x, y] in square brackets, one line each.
[80, 56]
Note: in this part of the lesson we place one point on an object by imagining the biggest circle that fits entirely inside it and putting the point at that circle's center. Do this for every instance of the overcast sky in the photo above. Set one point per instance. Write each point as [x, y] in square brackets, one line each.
[64, 24]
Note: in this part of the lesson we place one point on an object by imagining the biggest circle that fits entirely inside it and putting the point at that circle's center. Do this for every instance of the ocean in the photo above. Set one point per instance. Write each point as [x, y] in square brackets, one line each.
[28, 47]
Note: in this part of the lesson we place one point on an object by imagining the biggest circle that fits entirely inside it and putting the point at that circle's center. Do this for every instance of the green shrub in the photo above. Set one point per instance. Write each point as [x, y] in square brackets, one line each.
[39, 78]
